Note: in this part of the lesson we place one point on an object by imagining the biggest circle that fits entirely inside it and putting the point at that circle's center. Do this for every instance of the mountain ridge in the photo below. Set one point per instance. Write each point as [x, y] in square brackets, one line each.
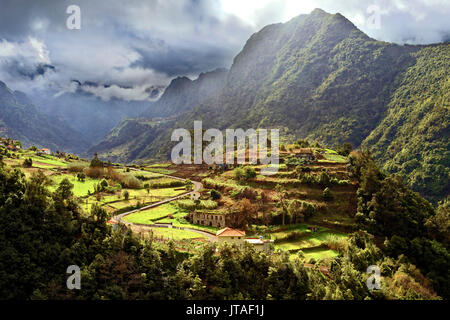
[316, 77]
[20, 119]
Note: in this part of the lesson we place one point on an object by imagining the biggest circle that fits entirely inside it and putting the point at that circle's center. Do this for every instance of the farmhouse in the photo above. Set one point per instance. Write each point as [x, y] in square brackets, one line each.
[46, 151]
[212, 219]
[231, 236]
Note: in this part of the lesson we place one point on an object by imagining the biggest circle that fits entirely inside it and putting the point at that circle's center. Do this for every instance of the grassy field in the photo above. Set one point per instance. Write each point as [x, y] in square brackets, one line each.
[307, 240]
[151, 215]
[321, 254]
[176, 234]
[80, 189]
[335, 157]
[160, 170]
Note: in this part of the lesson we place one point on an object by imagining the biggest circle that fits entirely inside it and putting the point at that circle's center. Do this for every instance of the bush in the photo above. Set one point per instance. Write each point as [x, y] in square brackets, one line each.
[127, 180]
[126, 195]
[81, 176]
[249, 173]
[94, 173]
[76, 167]
[193, 205]
[28, 163]
[239, 174]
[215, 195]
[104, 184]
[168, 183]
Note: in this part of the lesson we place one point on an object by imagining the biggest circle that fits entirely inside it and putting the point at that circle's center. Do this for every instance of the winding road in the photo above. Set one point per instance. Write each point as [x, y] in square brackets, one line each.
[197, 187]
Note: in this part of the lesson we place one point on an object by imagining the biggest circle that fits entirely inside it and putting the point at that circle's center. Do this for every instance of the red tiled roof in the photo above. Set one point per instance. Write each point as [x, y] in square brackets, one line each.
[228, 232]
[45, 149]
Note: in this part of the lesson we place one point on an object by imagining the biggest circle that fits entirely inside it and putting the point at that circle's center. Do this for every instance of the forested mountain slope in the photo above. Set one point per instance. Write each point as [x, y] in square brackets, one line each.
[319, 77]
[20, 119]
[413, 138]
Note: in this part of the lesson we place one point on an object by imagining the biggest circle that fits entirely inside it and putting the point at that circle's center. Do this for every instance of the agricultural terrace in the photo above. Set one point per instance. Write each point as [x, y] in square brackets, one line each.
[307, 208]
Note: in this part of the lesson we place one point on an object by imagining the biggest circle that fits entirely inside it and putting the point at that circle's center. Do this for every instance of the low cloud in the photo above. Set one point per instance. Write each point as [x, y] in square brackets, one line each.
[128, 48]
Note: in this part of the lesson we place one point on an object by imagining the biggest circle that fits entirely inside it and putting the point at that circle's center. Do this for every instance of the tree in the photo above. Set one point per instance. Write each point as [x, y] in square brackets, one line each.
[345, 149]
[215, 195]
[28, 163]
[65, 189]
[126, 195]
[250, 173]
[147, 188]
[81, 176]
[243, 213]
[189, 185]
[103, 185]
[282, 194]
[96, 162]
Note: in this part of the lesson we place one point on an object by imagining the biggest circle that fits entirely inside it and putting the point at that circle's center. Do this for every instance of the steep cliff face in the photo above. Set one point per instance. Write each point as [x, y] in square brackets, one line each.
[183, 94]
[20, 119]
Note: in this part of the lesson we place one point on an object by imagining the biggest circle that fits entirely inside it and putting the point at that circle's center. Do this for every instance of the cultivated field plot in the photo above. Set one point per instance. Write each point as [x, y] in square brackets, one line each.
[176, 234]
[152, 215]
[80, 189]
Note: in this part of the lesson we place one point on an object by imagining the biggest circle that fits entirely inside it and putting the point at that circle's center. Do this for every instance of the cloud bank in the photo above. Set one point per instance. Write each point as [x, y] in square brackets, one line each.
[130, 49]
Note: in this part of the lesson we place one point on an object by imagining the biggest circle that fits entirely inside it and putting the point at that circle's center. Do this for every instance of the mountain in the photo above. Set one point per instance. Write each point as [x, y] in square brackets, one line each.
[131, 138]
[20, 119]
[413, 138]
[90, 115]
[319, 77]
[183, 94]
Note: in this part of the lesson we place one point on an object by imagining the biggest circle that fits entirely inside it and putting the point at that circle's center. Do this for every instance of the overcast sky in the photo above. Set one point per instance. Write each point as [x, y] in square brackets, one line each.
[134, 45]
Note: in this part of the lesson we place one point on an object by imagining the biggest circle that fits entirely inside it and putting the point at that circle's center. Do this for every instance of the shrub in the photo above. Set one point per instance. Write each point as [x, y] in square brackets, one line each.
[28, 163]
[96, 162]
[249, 173]
[239, 174]
[126, 195]
[336, 243]
[104, 184]
[215, 195]
[127, 180]
[192, 205]
[168, 183]
[75, 167]
[94, 173]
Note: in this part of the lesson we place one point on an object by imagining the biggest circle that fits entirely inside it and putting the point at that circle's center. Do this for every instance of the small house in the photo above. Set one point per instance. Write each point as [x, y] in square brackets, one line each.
[195, 196]
[231, 236]
[46, 151]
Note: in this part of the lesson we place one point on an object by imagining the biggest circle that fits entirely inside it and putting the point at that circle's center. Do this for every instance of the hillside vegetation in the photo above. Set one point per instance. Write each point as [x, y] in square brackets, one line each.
[319, 77]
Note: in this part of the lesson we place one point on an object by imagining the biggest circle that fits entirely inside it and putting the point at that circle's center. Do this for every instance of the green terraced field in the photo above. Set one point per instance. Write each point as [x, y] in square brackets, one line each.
[177, 234]
[80, 189]
[149, 216]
